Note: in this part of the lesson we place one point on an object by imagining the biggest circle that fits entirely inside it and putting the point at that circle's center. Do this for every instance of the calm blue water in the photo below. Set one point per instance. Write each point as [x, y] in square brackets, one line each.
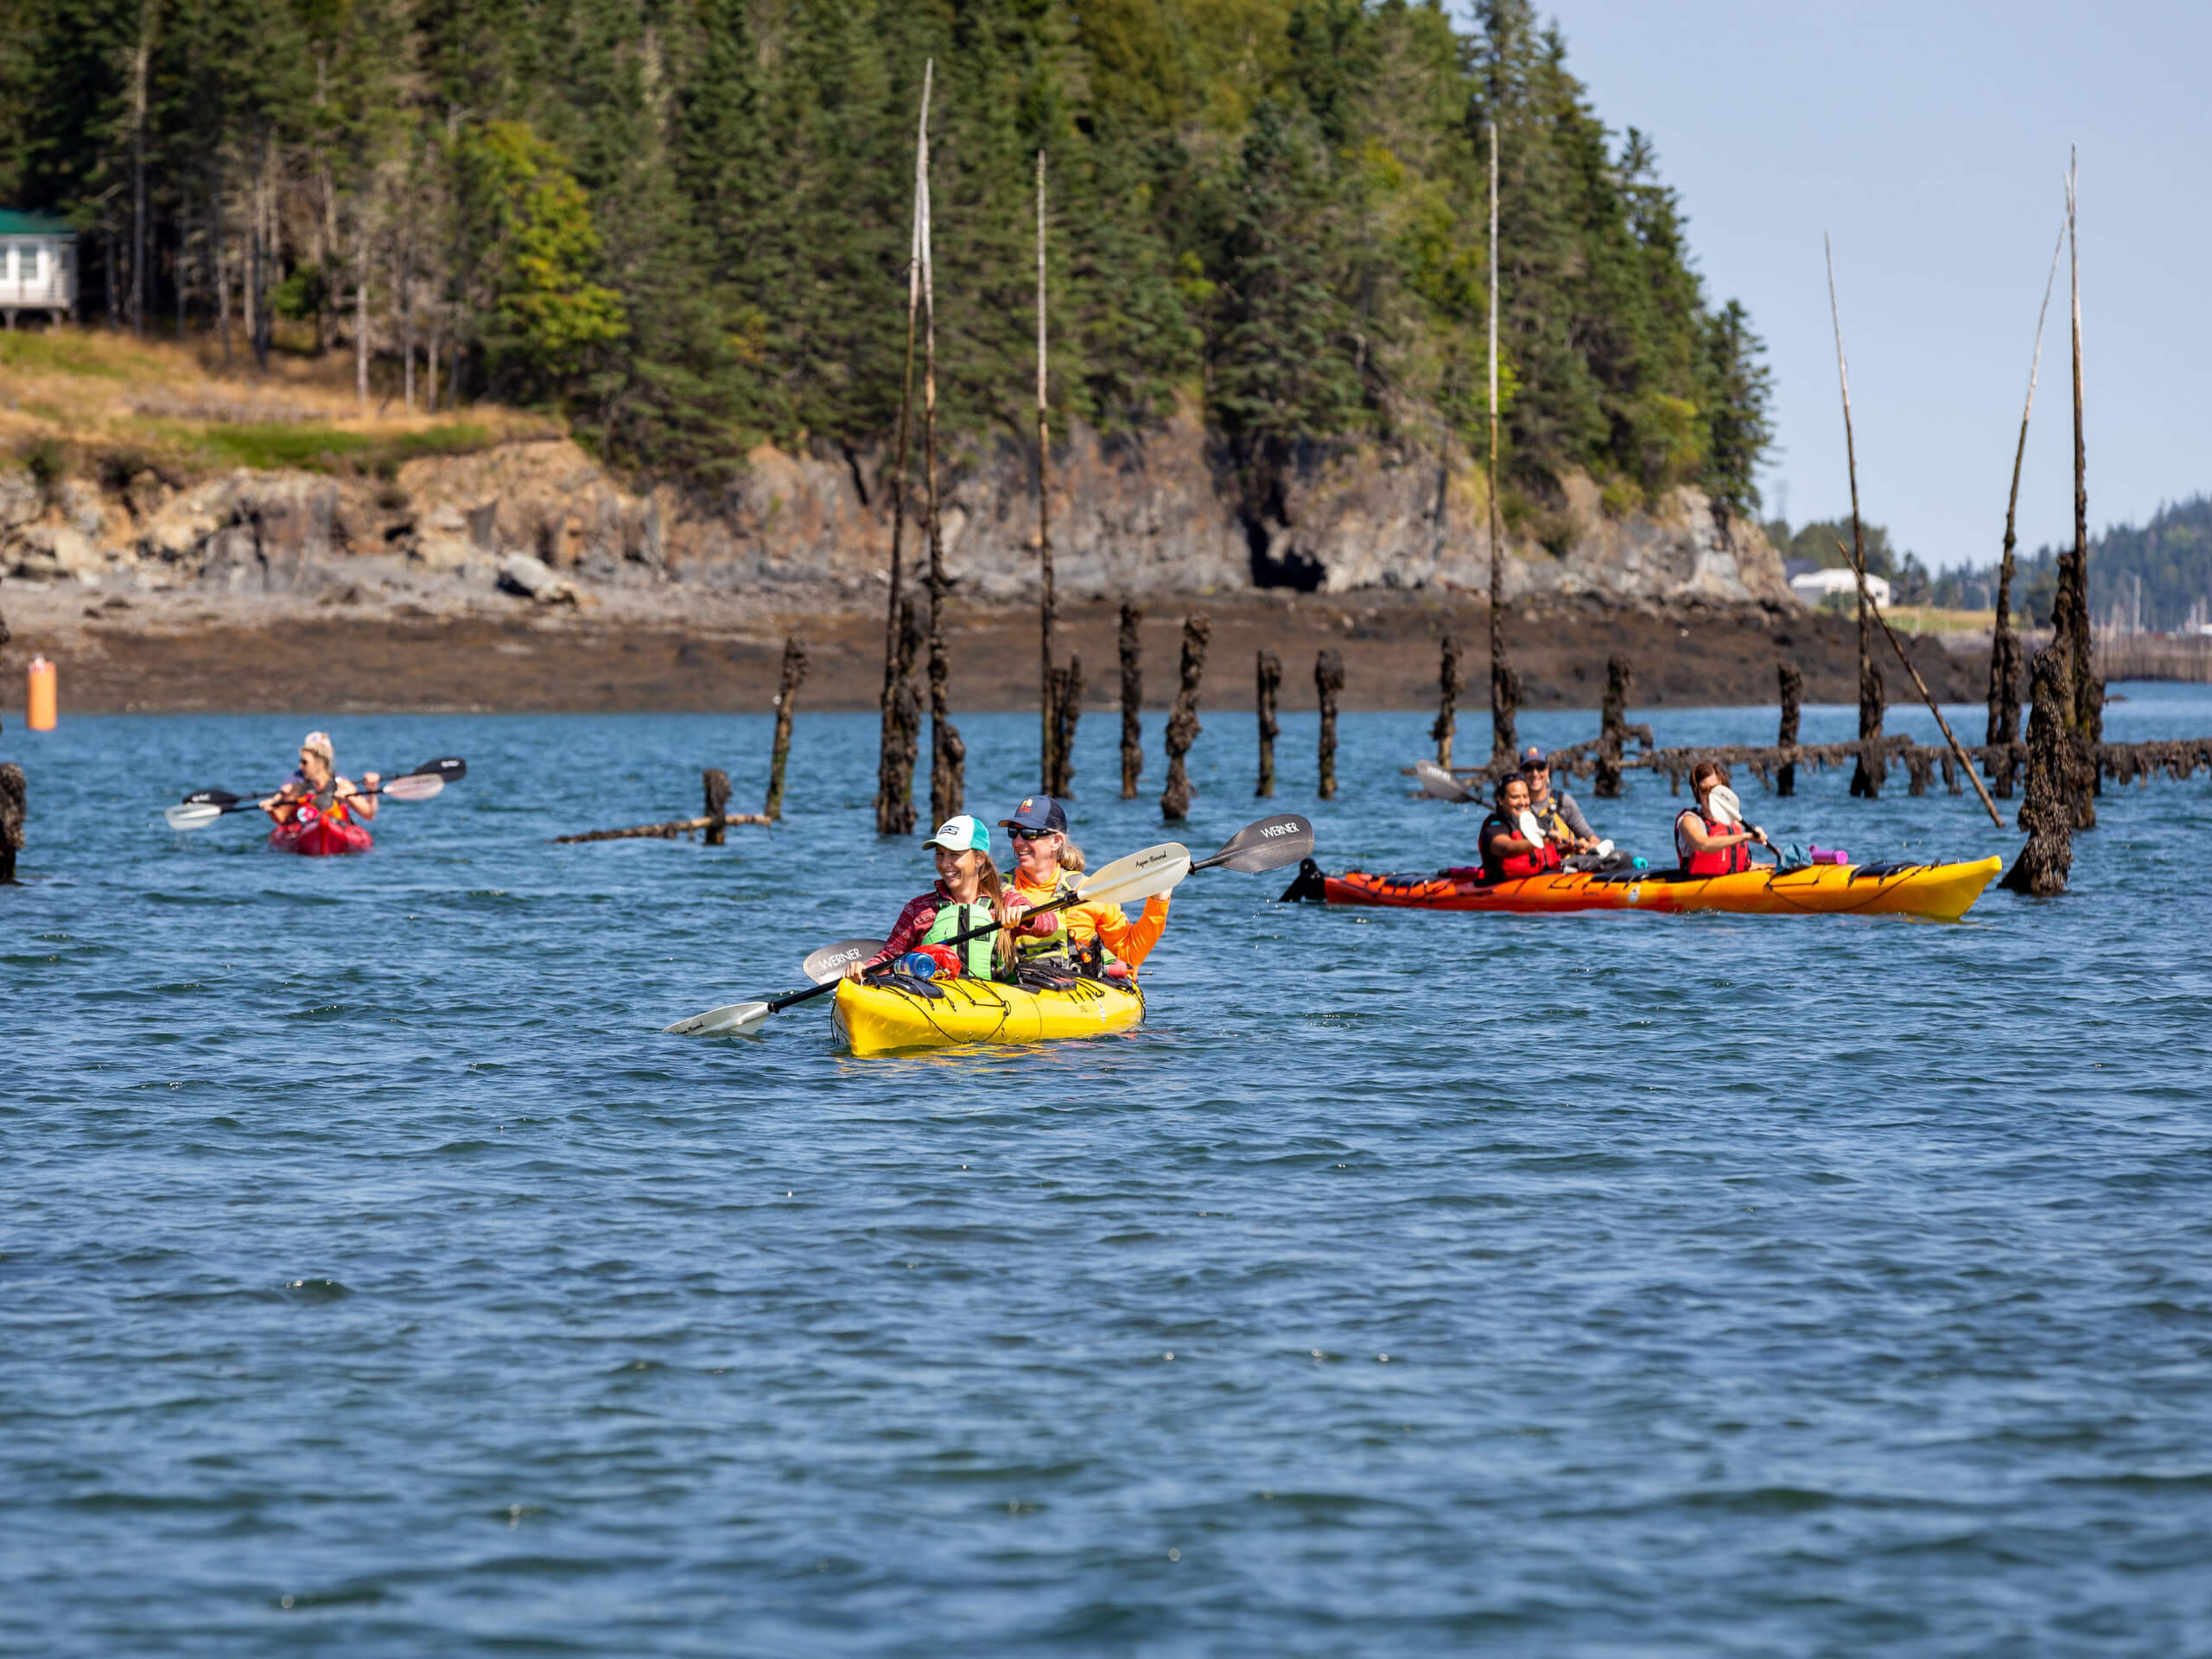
[374, 1278]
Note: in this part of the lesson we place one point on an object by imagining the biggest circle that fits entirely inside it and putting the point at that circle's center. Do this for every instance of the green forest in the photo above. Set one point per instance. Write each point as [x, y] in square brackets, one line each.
[684, 225]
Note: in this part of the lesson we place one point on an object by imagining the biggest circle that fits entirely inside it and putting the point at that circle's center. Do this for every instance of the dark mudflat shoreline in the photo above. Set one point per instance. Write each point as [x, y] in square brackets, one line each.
[150, 658]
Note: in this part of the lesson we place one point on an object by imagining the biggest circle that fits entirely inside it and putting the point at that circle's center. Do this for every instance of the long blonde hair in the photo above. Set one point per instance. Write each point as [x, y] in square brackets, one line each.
[990, 885]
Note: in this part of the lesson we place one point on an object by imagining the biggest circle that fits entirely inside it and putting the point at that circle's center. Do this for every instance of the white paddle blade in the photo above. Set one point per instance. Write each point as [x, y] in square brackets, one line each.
[1726, 806]
[831, 960]
[196, 816]
[732, 1020]
[1440, 784]
[413, 787]
[1141, 876]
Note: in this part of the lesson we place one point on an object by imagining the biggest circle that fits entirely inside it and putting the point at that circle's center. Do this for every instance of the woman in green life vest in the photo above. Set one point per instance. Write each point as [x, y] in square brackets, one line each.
[968, 895]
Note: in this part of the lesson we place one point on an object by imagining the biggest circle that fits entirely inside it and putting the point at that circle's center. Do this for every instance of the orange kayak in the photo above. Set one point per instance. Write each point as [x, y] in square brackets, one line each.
[1940, 892]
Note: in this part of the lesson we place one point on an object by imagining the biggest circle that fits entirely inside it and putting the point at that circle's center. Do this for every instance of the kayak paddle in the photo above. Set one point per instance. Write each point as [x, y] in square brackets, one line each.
[1440, 784]
[1268, 844]
[1728, 807]
[203, 806]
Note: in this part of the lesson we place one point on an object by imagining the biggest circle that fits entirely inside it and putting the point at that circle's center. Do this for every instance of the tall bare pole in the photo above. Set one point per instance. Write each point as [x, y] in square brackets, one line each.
[1047, 756]
[1503, 736]
[947, 752]
[2004, 644]
[894, 784]
[1865, 780]
[2088, 694]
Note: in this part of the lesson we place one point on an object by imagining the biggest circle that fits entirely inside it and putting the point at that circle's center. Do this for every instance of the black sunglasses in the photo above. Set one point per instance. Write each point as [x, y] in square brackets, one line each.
[1014, 834]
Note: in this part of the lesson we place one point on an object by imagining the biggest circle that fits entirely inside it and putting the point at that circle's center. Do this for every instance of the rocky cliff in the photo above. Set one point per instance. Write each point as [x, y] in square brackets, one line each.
[1150, 515]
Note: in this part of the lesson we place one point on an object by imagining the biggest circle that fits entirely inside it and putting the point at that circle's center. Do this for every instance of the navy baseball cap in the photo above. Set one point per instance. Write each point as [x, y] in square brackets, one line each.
[1534, 756]
[1037, 812]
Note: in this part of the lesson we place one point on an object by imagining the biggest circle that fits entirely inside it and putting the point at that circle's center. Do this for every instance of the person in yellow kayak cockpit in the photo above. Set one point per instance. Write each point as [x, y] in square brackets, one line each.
[968, 895]
[1046, 864]
[317, 780]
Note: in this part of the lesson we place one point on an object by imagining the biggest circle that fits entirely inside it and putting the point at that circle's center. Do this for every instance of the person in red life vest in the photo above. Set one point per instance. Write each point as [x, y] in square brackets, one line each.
[1513, 844]
[1704, 844]
[968, 895]
[317, 782]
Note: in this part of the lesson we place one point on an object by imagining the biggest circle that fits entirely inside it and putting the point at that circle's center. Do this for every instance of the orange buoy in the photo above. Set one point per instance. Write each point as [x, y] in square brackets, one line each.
[38, 709]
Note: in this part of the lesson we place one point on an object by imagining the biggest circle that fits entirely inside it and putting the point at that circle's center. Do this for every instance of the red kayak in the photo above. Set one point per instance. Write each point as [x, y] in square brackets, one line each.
[319, 835]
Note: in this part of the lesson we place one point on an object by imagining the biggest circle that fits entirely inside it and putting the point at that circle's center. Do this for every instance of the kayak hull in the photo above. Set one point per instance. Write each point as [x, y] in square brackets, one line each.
[319, 838]
[1937, 892]
[875, 1019]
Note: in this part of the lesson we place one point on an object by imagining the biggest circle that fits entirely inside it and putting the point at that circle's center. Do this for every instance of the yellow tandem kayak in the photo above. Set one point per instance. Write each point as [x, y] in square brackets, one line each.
[875, 1018]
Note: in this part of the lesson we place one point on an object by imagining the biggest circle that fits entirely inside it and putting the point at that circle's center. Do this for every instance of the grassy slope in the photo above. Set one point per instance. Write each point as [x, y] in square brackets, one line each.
[103, 404]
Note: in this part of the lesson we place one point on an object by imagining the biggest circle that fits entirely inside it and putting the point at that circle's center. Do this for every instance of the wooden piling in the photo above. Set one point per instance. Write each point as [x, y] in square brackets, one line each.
[948, 754]
[1270, 682]
[2069, 619]
[1612, 728]
[2046, 814]
[1866, 778]
[795, 666]
[894, 771]
[1793, 693]
[1450, 683]
[14, 803]
[716, 782]
[1131, 700]
[1504, 688]
[1067, 708]
[1183, 728]
[1053, 779]
[2004, 642]
[1328, 680]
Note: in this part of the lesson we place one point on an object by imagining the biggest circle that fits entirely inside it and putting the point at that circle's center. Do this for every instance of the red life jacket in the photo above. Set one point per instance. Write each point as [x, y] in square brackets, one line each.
[1713, 860]
[1512, 867]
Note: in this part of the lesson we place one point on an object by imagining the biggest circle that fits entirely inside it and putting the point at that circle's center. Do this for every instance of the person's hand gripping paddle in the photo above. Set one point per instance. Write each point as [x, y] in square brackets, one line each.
[1729, 809]
[203, 806]
[1266, 845]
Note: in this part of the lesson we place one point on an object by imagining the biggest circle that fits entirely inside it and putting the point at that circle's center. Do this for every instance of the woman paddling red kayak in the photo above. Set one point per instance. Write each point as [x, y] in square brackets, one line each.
[318, 813]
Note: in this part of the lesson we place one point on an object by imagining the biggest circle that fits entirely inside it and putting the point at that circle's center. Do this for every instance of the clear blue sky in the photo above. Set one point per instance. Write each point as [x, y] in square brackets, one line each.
[1929, 140]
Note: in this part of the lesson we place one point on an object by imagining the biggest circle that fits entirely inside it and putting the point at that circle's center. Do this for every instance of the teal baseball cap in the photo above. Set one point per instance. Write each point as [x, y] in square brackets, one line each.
[962, 835]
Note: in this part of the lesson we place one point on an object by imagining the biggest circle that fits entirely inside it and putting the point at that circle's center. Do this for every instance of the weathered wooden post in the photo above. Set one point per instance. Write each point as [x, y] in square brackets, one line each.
[1183, 728]
[1505, 684]
[2004, 643]
[2046, 814]
[1792, 693]
[1450, 683]
[948, 754]
[1270, 670]
[902, 713]
[2070, 612]
[1328, 680]
[1131, 700]
[1067, 708]
[716, 808]
[786, 696]
[13, 806]
[1866, 776]
[1612, 728]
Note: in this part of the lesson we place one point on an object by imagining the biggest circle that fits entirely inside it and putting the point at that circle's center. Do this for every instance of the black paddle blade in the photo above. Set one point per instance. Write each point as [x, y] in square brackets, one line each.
[1267, 845]
[450, 768]
[210, 798]
[831, 960]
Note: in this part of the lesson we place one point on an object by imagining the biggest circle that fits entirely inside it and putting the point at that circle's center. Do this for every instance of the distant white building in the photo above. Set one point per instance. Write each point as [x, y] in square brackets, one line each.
[1813, 586]
[38, 266]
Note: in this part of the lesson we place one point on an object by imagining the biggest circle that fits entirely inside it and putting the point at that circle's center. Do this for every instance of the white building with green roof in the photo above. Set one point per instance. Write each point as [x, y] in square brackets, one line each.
[38, 265]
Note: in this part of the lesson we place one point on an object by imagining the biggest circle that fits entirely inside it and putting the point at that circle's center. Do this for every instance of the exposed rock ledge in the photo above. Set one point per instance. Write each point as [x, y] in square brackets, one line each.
[1152, 515]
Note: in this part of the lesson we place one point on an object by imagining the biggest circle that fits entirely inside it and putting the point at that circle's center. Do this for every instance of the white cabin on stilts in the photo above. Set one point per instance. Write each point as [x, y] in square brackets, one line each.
[38, 266]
